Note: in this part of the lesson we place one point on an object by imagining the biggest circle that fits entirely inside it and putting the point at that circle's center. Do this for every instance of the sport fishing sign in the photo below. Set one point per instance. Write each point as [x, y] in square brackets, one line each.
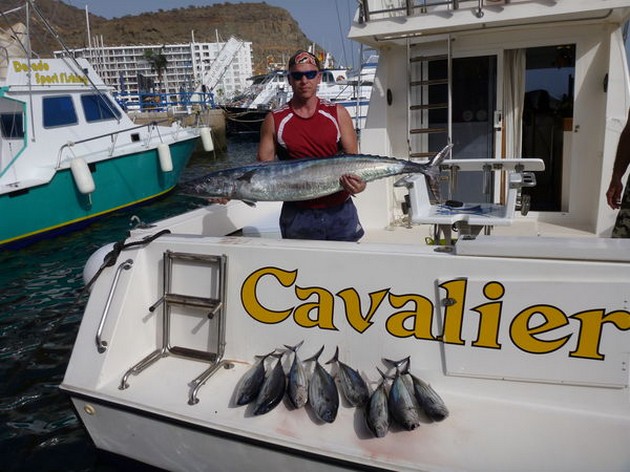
[484, 325]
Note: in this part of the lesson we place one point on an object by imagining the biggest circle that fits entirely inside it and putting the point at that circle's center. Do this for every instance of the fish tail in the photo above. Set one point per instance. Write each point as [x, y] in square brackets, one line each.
[335, 358]
[316, 356]
[397, 363]
[296, 347]
[432, 173]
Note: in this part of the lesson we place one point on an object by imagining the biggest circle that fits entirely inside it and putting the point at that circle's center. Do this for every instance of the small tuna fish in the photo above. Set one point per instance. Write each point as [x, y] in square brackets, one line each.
[402, 403]
[377, 410]
[352, 384]
[251, 382]
[322, 392]
[428, 399]
[297, 388]
[272, 390]
[304, 179]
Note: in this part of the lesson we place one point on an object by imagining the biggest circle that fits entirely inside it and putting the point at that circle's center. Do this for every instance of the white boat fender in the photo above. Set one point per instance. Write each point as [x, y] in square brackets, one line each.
[164, 153]
[95, 262]
[82, 175]
[206, 139]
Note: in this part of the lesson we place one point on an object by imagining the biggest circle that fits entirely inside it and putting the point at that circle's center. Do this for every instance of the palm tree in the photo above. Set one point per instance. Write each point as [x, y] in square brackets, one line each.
[158, 63]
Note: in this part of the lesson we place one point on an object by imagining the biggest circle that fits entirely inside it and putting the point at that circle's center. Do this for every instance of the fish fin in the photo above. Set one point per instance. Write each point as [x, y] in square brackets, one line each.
[247, 176]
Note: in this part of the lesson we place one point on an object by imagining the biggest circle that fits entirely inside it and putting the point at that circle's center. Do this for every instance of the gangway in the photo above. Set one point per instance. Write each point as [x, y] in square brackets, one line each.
[212, 76]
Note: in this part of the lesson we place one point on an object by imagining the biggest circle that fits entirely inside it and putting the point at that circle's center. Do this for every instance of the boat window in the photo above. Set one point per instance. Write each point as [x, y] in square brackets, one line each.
[97, 107]
[59, 111]
[12, 125]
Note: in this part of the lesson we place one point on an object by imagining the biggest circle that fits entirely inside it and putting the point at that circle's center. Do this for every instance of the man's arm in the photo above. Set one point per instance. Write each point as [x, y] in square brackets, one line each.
[622, 160]
[267, 143]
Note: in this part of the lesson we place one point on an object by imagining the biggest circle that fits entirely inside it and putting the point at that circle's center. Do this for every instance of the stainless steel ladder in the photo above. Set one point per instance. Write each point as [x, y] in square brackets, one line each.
[211, 307]
[422, 102]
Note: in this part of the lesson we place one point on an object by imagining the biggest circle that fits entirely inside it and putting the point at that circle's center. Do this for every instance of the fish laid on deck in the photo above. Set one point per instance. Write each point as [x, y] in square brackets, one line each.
[297, 379]
[304, 179]
[377, 410]
[322, 392]
[252, 382]
[352, 384]
[272, 390]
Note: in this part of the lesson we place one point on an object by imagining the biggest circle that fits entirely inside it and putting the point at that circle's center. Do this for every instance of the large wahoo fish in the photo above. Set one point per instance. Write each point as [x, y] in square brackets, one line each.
[304, 179]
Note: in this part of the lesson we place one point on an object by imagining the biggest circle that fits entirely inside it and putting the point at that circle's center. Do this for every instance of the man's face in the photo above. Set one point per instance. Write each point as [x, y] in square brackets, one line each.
[303, 86]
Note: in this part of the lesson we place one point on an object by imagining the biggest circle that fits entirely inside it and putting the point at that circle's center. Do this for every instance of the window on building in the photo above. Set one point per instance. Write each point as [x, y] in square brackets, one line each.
[59, 111]
[98, 107]
[12, 125]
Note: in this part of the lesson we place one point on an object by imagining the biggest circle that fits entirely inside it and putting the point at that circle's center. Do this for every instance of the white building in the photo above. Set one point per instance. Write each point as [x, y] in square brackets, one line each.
[126, 67]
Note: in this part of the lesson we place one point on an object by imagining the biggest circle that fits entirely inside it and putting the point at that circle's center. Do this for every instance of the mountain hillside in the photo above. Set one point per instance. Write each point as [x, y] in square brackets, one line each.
[274, 34]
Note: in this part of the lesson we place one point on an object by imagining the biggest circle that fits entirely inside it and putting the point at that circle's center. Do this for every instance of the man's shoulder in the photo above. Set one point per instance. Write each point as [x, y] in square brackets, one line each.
[281, 109]
[327, 103]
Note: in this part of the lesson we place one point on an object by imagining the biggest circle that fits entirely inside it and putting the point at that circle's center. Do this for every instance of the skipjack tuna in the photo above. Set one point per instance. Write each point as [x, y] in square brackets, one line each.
[304, 179]
[407, 403]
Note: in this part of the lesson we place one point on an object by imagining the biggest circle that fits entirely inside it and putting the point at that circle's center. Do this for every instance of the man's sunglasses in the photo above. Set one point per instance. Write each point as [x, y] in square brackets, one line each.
[309, 74]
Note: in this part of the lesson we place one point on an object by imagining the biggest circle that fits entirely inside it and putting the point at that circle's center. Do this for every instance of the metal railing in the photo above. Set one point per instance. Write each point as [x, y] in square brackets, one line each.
[414, 7]
[153, 101]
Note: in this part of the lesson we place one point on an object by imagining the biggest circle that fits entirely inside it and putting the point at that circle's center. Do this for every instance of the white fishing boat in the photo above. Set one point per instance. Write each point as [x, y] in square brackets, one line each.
[268, 91]
[518, 319]
[68, 152]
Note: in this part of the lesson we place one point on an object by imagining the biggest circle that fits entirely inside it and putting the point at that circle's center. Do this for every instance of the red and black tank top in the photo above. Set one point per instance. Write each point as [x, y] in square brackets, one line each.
[316, 136]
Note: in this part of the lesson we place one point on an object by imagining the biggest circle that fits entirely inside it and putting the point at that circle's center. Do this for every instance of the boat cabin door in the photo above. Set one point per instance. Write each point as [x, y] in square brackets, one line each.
[454, 98]
[512, 104]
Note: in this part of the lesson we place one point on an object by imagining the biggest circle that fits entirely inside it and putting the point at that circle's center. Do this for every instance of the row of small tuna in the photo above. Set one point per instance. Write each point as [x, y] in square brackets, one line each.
[407, 398]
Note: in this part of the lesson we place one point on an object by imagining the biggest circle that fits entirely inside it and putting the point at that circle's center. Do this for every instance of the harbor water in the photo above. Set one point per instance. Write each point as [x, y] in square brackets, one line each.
[41, 305]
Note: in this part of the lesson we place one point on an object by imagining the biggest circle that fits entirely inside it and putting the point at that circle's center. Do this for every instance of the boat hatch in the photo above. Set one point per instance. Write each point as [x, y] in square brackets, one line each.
[199, 312]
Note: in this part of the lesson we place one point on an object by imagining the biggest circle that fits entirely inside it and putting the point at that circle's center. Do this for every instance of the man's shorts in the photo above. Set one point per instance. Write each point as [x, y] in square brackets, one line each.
[622, 225]
[338, 223]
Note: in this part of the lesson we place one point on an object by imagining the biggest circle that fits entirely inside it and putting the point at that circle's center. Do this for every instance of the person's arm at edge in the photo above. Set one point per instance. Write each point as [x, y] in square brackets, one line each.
[622, 160]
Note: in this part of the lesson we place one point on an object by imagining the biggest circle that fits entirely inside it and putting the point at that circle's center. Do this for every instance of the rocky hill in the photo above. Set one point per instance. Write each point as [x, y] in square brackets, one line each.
[274, 34]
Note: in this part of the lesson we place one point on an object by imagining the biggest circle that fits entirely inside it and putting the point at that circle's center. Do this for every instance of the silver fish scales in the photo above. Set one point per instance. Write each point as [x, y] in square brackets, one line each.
[304, 179]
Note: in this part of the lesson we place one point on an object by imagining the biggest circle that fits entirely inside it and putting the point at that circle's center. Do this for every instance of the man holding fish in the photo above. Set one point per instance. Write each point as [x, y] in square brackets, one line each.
[308, 126]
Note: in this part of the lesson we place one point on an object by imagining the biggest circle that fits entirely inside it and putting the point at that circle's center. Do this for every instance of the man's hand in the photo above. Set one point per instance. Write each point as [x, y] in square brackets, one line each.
[614, 193]
[352, 184]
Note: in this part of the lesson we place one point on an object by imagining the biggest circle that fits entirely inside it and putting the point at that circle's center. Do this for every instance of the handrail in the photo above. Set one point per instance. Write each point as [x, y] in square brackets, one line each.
[101, 345]
[112, 134]
[412, 7]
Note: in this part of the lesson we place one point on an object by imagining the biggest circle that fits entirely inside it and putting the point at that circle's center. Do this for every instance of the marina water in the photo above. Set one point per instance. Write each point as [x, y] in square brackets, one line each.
[41, 305]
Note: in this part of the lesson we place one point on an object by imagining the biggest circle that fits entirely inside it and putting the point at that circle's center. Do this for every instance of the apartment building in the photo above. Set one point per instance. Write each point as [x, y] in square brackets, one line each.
[127, 69]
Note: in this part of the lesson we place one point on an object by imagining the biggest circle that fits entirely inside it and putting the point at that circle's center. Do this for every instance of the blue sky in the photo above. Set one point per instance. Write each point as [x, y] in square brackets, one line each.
[326, 22]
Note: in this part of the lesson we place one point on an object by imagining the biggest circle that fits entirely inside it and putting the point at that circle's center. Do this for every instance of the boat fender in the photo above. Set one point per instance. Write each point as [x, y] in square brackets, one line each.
[95, 262]
[206, 139]
[82, 175]
[164, 153]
